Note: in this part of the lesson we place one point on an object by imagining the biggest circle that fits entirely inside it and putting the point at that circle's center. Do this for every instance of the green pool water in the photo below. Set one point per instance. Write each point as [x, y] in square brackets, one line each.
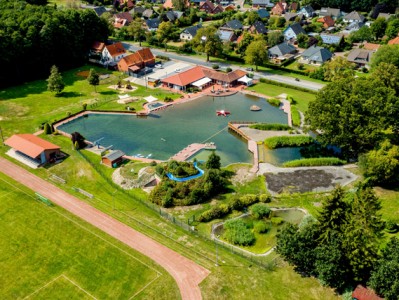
[168, 131]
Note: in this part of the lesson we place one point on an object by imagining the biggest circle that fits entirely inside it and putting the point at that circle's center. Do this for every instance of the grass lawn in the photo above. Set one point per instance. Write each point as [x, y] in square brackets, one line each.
[294, 66]
[29, 105]
[302, 98]
[45, 252]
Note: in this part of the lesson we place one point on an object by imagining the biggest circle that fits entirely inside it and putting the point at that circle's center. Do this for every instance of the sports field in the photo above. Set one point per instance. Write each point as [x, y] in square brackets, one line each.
[46, 253]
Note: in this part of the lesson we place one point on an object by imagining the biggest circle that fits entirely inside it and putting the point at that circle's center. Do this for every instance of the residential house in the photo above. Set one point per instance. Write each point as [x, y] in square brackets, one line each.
[113, 159]
[124, 3]
[330, 39]
[122, 19]
[360, 57]
[173, 15]
[281, 52]
[148, 13]
[353, 17]
[189, 33]
[327, 21]
[292, 31]
[138, 10]
[97, 48]
[307, 11]
[99, 10]
[169, 4]
[232, 25]
[335, 13]
[263, 13]
[258, 27]
[371, 46]
[278, 9]
[292, 16]
[316, 55]
[133, 64]
[363, 293]
[31, 149]
[261, 3]
[384, 15]
[152, 24]
[394, 41]
[352, 27]
[211, 8]
[226, 35]
[112, 54]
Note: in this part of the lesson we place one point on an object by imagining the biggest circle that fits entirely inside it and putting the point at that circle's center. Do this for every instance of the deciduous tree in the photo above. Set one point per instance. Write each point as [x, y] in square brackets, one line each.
[338, 68]
[256, 53]
[93, 79]
[378, 27]
[386, 53]
[165, 33]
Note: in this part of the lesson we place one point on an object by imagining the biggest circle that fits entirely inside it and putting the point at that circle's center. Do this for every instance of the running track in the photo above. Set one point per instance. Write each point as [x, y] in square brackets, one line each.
[187, 273]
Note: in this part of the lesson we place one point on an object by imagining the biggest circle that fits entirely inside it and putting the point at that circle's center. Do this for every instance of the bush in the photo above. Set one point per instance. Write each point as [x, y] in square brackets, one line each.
[261, 227]
[228, 70]
[274, 101]
[291, 100]
[288, 141]
[163, 57]
[215, 212]
[296, 117]
[238, 233]
[260, 211]
[47, 128]
[391, 226]
[265, 198]
[249, 199]
[271, 126]
[215, 67]
[301, 66]
[318, 161]
[168, 99]
[277, 221]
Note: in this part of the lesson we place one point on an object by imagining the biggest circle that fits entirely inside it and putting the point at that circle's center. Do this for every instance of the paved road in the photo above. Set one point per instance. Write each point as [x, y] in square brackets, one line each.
[187, 274]
[196, 61]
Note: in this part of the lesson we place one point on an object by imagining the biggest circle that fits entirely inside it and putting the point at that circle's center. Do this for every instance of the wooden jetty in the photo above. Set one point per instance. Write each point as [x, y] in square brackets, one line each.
[190, 150]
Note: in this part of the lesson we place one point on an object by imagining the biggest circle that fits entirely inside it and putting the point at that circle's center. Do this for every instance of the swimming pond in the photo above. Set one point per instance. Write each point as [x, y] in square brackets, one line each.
[166, 132]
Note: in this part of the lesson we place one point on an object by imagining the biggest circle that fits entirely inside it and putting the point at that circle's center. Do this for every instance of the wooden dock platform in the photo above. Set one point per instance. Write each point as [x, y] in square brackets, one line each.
[190, 150]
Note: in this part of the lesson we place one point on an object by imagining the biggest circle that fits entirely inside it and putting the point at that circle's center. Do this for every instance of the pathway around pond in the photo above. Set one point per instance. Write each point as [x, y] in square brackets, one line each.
[188, 274]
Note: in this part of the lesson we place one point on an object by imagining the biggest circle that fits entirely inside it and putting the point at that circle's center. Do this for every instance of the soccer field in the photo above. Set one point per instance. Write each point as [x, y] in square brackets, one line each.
[46, 253]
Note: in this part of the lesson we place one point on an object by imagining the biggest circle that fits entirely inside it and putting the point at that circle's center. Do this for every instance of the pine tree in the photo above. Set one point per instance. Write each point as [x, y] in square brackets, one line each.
[55, 82]
[93, 79]
[334, 214]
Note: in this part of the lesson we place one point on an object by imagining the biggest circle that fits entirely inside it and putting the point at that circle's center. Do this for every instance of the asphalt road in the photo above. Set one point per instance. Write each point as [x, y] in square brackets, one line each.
[196, 61]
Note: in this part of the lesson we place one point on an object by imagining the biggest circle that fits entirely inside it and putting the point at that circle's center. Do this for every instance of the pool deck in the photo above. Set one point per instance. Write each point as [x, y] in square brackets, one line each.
[189, 151]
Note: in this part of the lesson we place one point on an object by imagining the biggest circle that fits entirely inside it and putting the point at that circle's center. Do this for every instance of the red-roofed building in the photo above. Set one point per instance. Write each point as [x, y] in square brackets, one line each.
[201, 77]
[32, 149]
[394, 41]
[97, 48]
[113, 53]
[169, 4]
[134, 63]
[371, 46]
[363, 293]
[327, 21]
[278, 9]
[122, 19]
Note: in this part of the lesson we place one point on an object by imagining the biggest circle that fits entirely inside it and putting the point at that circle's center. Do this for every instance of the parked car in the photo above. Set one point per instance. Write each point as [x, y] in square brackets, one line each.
[249, 69]
[177, 70]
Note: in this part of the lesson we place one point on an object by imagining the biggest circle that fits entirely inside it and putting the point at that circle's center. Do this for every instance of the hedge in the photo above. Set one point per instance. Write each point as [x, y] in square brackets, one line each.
[318, 161]
[298, 88]
[296, 117]
[288, 141]
[270, 126]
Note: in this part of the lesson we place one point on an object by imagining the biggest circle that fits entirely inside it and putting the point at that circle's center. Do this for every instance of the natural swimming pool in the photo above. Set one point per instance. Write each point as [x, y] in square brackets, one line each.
[168, 131]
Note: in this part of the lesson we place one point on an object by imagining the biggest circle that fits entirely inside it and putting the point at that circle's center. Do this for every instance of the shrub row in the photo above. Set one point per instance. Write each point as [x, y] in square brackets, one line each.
[237, 203]
[288, 141]
[270, 126]
[298, 88]
[274, 101]
[318, 161]
[296, 117]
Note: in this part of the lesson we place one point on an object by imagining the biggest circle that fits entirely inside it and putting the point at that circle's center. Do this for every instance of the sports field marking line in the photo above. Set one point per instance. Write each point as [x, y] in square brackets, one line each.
[2, 196]
[146, 286]
[39, 289]
[78, 286]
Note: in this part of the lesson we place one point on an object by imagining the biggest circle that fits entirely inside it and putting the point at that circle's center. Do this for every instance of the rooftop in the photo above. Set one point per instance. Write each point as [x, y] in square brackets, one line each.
[30, 144]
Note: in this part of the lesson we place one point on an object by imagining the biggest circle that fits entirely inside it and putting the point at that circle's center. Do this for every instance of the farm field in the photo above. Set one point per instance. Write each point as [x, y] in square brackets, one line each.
[46, 253]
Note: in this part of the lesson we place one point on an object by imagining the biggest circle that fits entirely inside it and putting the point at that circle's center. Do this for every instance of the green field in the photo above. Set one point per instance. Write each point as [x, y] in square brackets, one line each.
[46, 253]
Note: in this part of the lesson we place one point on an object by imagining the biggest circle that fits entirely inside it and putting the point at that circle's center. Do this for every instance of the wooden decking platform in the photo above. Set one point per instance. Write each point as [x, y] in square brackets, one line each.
[190, 150]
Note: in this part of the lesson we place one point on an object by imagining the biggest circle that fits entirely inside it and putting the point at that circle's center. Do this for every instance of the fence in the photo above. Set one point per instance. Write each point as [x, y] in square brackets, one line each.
[186, 225]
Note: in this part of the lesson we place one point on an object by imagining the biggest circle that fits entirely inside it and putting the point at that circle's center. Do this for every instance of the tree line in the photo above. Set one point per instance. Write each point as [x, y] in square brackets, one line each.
[33, 38]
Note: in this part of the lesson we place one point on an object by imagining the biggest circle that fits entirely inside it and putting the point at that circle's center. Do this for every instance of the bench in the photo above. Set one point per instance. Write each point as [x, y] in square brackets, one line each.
[43, 199]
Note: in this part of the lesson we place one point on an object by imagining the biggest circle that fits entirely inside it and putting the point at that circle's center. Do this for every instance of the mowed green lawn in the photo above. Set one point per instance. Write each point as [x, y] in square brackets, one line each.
[46, 253]
[302, 98]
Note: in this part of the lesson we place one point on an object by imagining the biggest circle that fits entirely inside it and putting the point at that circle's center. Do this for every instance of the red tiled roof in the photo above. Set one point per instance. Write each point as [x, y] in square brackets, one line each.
[327, 20]
[98, 46]
[146, 54]
[240, 38]
[371, 46]
[186, 77]
[142, 55]
[30, 144]
[124, 15]
[116, 49]
[363, 293]
[225, 77]
[394, 41]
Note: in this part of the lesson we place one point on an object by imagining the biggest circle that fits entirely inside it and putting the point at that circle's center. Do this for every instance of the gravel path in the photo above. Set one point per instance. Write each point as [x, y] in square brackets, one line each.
[187, 273]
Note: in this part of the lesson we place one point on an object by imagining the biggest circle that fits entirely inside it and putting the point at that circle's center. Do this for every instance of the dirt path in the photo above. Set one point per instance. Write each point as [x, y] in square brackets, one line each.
[186, 273]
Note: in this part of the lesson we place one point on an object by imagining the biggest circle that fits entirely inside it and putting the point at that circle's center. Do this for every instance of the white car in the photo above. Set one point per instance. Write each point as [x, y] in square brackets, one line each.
[177, 70]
